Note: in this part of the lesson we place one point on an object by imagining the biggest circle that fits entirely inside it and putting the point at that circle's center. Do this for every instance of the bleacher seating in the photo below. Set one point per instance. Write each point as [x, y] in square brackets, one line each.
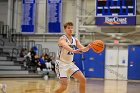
[11, 64]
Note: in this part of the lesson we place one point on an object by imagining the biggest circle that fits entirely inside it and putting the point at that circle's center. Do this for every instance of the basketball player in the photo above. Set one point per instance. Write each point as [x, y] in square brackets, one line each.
[64, 66]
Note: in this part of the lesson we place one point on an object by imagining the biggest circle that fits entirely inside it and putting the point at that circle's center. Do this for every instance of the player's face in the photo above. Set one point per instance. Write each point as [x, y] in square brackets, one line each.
[69, 30]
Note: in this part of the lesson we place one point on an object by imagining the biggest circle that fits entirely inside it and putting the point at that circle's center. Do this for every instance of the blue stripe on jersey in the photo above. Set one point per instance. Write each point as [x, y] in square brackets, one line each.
[59, 53]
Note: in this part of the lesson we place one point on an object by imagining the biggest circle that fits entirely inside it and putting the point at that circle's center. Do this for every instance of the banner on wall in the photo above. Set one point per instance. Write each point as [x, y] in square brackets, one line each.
[54, 15]
[28, 16]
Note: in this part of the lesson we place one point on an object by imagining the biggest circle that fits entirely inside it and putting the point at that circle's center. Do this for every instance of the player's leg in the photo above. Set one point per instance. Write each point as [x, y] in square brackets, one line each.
[63, 85]
[62, 75]
[82, 80]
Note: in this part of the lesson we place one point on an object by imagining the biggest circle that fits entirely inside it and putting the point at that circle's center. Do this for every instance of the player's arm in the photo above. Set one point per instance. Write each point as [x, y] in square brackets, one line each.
[81, 47]
[62, 42]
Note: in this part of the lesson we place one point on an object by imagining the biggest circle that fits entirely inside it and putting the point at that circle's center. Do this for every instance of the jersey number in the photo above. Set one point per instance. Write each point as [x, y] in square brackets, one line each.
[73, 47]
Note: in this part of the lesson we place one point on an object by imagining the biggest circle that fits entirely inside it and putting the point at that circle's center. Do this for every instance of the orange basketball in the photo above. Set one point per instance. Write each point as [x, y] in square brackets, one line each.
[97, 46]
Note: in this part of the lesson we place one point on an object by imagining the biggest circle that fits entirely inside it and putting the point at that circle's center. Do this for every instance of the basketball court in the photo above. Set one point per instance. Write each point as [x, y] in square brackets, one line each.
[26, 85]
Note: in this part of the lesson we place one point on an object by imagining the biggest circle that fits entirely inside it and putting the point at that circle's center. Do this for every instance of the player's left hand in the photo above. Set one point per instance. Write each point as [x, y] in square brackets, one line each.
[89, 45]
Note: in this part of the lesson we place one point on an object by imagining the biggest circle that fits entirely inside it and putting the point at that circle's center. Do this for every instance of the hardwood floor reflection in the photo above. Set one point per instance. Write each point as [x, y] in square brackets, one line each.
[36, 85]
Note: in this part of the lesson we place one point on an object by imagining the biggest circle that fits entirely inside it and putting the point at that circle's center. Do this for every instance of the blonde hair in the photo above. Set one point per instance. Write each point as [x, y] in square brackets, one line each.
[68, 24]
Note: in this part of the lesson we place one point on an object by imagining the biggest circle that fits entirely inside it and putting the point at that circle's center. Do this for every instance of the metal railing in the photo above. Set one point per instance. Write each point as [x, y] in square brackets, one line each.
[1, 42]
[15, 52]
[52, 55]
[45, 50]
[18, 38]
[39, 47]
[4, 30]
[29, 44]
[11, 35]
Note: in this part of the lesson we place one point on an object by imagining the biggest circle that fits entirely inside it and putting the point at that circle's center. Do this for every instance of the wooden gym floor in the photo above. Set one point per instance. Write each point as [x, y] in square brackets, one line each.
[38, 85]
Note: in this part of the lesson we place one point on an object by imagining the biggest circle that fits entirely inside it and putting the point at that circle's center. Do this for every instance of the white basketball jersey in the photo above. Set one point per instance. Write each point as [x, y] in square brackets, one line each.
[63, 54]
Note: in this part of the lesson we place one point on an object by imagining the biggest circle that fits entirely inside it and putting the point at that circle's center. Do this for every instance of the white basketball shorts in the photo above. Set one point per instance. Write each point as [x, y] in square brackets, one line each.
[65, 69]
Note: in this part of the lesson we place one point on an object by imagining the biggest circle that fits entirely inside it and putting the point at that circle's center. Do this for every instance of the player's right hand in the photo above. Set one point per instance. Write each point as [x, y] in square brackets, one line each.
[77, 51]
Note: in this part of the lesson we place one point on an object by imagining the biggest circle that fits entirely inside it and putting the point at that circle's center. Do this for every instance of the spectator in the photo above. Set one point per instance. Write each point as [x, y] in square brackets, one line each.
[23, 52]
[33, 61]
[47, 57]
[42, 63]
